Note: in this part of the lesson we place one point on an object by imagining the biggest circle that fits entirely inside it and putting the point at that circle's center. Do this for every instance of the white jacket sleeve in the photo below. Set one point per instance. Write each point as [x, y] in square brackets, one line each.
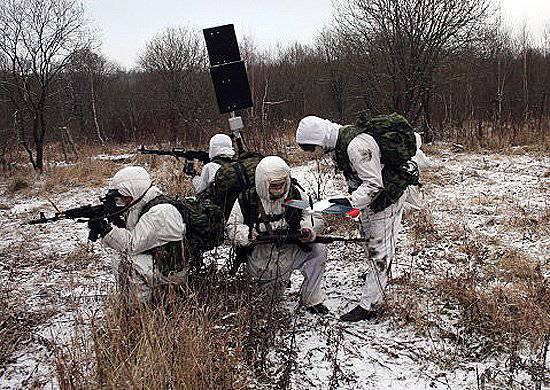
[208, 173]
[160, 225]
[364, 155]
[237, 231]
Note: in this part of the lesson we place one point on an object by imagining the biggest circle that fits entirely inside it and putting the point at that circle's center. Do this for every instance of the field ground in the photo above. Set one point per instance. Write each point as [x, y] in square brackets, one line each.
[468, 304]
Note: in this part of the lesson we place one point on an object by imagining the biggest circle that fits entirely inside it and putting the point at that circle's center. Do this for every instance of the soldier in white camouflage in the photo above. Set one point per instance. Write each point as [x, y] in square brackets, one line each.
[375, 157]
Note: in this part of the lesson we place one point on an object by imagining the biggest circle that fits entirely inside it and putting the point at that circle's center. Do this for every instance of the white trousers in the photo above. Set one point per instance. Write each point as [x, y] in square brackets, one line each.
[137, 276]
[274, 265]
[380, 230]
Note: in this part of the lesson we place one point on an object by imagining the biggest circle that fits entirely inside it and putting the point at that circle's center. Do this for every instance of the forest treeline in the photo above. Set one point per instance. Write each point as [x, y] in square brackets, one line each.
[454, 70]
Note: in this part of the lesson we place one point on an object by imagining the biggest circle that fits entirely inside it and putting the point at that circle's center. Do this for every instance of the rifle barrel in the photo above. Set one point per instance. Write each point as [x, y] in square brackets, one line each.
[294, 238]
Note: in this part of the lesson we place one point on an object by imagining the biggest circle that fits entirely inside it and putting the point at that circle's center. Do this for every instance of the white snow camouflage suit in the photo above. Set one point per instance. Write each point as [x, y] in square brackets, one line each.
[273, 263]
[160, 225]
[220, 147]
[380, 229]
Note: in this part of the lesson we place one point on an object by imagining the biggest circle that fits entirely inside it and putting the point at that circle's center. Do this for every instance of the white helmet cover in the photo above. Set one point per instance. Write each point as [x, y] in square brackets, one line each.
[131, 181]
[220, 145]
[313, 130]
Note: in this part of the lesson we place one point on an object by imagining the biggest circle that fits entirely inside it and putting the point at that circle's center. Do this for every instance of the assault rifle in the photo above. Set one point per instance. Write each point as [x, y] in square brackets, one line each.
[280, 238]
[296, 239]
[188, 155]
[106, 209]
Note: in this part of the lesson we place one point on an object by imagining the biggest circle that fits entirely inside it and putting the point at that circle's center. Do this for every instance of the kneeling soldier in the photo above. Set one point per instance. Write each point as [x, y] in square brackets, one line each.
[262, 211]
[152, 238]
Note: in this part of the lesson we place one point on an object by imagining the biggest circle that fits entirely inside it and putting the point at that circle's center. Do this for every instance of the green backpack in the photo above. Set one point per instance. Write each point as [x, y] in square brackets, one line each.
[204, 223]
[232, 179]
[395, 138]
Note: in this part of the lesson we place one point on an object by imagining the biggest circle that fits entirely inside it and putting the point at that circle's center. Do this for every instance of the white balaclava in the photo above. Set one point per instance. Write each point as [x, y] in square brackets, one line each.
[313, 130]
[272, 168]
[131, 181]
[221, 145]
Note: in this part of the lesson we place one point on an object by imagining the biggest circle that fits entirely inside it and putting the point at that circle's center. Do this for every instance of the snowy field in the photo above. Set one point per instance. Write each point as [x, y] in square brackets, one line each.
[51, 278]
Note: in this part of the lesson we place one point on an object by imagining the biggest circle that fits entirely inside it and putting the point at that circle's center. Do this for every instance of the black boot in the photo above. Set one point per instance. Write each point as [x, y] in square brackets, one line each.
[358, 314]
[319, 308]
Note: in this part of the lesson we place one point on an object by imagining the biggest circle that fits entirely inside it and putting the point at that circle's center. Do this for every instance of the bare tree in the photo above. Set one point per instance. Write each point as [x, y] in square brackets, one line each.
[88, 69]
[38, 38]
[406, 40]
[337, 76]
[176, 56]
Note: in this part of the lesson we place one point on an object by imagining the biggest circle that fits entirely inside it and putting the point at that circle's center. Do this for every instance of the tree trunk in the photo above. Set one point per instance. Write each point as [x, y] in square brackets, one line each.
[94, 111]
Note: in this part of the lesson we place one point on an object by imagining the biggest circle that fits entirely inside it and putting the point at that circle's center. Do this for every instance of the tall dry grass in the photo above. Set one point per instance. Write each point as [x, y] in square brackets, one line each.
[532, 137]
[213, 335]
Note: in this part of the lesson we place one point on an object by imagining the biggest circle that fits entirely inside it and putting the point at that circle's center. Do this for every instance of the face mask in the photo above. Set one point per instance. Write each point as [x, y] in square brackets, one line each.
[277, 189]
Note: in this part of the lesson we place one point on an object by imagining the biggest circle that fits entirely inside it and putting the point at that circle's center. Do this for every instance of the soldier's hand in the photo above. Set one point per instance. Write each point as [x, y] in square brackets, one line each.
[98, 228]
[307, 234]
[254, 235]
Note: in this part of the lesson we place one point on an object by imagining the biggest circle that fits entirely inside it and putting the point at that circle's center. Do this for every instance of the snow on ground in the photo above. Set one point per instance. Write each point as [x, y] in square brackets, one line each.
[382, 354]
[116, 157]
[50, 273]
[49, 278]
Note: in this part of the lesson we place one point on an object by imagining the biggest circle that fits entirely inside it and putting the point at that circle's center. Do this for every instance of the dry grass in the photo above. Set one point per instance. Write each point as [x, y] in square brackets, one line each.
[18, 184]
[422, 225]
[90, 173]
[168, 174]
[511, 310]
[214, 335]
[19, 314]
[529, 139]
[437, 176]
[17, 322]
[523, 220]
[498, 301]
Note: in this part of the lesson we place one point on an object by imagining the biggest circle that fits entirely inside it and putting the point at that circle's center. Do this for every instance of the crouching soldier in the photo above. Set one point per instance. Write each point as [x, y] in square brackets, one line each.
[151, 239]
[220, 152]
[261, 211]
[375, 157]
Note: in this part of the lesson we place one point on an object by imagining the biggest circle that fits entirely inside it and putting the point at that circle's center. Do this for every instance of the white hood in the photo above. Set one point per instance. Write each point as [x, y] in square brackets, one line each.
[134, 181]
[131, 181]
[271, 168]
[220, 145]
[318, 131]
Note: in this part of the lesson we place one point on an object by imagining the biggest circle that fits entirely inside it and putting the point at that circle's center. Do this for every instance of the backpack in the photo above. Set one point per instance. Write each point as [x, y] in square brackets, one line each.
[204, 222]
[397, 143]
[394, 136]
[231, 179]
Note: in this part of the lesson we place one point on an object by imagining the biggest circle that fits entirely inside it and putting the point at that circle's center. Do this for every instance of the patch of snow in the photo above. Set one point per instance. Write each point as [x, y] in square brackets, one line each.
[327, 352]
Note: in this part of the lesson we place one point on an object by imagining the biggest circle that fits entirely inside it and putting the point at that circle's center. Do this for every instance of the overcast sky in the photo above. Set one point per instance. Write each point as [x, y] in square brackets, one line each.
[126, 25]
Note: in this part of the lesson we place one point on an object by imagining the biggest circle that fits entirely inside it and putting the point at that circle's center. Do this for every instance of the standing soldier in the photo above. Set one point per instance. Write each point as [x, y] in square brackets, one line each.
[375, 157]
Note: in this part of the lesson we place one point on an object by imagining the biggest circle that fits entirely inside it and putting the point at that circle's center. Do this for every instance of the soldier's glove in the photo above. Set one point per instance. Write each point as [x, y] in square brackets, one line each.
[118, 221]
[98, 228]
